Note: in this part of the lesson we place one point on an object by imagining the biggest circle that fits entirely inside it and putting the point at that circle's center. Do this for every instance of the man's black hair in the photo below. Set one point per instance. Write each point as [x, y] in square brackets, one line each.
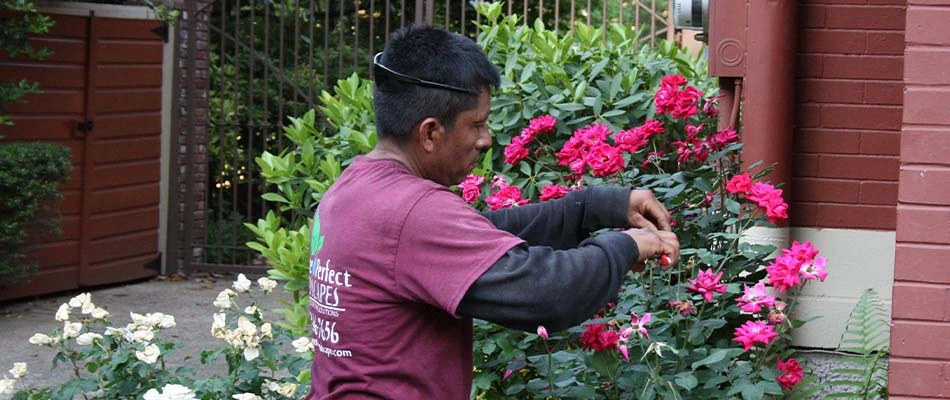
[434, 55]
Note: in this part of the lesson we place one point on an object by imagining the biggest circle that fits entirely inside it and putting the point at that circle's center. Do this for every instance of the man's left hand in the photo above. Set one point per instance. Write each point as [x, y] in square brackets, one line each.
[645, 211]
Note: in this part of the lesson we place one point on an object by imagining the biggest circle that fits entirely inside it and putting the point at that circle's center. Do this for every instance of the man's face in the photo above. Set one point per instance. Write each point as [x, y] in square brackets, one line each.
[460, 149]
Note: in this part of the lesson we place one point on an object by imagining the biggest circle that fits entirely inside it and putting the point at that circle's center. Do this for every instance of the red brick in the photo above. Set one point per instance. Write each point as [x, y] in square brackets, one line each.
[888, 2]
[925, 185]
[807, 115]
[804, 165]
[928, 2]
[832, 41]
[884, 93]
[844, 216]
[881, 193]
[926, 25]
[925, 145]
[889, 43]
[861, 117]
[830, 91]
[927, 66]
[834, 2]
[865, 17]
[881, 143]
[921, 302]
[825, 190]
[918, 377]
[863, 67]
[827, 141]
[808, 66]
[919, 263]
[812, 16]
[858, 167]
[927, 105]
[923, 224]
[916, 339]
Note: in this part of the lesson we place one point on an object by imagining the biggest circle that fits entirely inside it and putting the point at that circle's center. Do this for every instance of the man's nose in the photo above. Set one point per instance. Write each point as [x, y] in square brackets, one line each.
[484, 142]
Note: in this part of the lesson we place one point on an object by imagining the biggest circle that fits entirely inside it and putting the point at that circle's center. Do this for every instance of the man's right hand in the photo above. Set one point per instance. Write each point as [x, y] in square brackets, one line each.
[653, 243]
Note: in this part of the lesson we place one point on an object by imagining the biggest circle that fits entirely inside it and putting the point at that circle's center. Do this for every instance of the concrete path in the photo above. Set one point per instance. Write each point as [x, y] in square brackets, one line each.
[188, 300]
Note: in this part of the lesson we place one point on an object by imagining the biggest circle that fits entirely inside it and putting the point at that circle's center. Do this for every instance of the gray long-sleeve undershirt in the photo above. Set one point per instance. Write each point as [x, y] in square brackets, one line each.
[559, 277]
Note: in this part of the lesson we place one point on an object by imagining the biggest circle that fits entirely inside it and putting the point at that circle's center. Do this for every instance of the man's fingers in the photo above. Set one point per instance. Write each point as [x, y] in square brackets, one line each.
[658, 213]
[640, 222]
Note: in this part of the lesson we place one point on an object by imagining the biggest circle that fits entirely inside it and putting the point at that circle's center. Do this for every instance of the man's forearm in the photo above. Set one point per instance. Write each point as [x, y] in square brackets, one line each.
[533, 286]
[565, 222]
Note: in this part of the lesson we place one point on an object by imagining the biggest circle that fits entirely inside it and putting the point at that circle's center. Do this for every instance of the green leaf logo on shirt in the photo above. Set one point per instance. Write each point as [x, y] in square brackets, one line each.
[316, 239]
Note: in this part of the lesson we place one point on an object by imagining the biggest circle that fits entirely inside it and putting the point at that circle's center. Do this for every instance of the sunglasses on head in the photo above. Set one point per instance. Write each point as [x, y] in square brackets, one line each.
[379, 67]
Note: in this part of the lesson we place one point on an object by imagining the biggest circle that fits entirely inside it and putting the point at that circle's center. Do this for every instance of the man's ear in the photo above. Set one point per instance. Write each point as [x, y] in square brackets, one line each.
[429, 134]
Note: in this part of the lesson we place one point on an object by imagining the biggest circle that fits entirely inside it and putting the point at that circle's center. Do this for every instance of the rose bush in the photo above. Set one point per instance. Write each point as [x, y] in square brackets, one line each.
[597, 108]
[120, 362]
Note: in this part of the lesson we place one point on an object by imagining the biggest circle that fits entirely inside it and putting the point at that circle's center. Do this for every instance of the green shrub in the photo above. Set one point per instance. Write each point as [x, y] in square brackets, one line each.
[30, 175]
[300, 176]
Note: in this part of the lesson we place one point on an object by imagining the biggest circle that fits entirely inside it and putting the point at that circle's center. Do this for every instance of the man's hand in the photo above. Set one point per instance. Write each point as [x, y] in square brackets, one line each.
[653, 243]
[645, 211]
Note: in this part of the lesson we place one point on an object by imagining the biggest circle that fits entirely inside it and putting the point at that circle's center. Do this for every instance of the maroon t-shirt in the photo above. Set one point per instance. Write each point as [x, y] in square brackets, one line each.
[392, 256]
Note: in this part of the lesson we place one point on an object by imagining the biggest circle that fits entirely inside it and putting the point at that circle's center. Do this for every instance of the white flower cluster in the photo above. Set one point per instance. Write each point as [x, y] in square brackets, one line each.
[170, 392]
[18, 371]
[243, 285]
[246, 337]
[286, 390]
[141, 331]
[303, 345]
[84, 303]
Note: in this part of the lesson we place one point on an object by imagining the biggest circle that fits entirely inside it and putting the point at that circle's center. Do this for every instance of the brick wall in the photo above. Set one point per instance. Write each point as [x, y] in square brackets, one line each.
[196, 174]
[920, 361]
[848, 117]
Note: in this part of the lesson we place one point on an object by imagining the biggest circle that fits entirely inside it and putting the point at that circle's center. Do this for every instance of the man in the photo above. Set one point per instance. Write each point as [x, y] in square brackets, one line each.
[400, 264]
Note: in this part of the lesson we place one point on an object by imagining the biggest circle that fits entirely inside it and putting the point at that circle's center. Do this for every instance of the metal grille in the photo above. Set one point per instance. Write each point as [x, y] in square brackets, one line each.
[271, 59]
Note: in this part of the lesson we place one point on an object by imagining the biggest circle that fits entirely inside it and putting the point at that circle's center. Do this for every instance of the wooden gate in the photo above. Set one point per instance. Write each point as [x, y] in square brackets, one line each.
[102, 99]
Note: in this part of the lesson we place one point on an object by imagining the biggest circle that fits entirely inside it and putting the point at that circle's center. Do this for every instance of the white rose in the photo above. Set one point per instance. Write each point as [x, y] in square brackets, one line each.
[71, 329]
[87, 338]
[152, 394]
[270, 386]
[160, 320]
[242, 284]
[6, 385]
[177, 392]
[266, 331]
[99, 313]
[246, 326]
[149, 356]
[78, 301]
[144, 334]
[110, 331]
[224, 298]
[251, 353]
[40, 338]
[19, 369]
[250, 310]
[139, 319]
[63, 313]
[287, 390]
[170, 392]
[246, 396]
[267, 284]
[219, 326]
[302, 345]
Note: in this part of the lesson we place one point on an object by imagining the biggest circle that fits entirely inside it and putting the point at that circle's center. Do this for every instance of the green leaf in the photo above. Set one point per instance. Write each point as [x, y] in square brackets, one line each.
[732, 206]
[687, 382]
[717, 355]
[275, 197]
